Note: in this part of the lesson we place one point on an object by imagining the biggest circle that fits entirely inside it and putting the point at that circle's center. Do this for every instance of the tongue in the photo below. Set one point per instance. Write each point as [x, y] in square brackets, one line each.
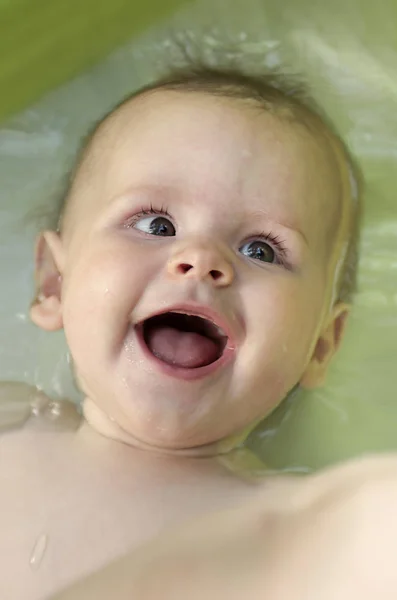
[181, 348]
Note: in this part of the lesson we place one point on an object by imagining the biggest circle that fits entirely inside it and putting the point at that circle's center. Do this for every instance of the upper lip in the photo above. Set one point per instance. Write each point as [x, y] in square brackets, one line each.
[206, 312]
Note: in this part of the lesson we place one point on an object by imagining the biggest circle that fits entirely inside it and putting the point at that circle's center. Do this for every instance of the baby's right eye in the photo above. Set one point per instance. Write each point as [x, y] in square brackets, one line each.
[155, 225]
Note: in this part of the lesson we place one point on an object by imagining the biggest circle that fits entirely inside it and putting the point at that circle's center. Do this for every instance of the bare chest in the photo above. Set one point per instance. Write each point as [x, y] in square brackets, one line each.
[69, 505]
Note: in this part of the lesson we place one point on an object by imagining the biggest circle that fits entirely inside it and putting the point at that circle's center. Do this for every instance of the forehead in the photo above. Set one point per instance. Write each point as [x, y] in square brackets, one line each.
[229, 151]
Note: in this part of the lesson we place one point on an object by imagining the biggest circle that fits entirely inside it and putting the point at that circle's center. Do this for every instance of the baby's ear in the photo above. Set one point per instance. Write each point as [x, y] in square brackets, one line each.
[327, 345]
[45, 310]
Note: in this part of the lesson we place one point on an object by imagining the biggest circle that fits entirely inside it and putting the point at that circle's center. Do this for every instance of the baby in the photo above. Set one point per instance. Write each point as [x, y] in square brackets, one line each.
[203, 268]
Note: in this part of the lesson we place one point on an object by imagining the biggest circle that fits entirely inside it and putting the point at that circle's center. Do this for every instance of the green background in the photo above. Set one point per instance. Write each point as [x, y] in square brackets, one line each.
[45, 42]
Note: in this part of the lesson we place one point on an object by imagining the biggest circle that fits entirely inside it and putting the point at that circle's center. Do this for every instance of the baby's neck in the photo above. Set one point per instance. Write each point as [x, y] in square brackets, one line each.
[232, 457]
[107, 427]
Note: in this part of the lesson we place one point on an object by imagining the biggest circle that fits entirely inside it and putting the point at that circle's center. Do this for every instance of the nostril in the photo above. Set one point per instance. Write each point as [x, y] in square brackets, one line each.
[184, 268]
[215, 274]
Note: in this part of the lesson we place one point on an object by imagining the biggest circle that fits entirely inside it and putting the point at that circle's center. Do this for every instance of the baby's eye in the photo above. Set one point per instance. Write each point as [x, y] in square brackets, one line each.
[259, 250]
[155, 226]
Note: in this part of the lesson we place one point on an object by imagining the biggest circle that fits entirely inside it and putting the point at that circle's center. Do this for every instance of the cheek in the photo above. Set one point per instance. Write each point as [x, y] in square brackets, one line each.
[283, 319]
[280, 334]
[101, 290]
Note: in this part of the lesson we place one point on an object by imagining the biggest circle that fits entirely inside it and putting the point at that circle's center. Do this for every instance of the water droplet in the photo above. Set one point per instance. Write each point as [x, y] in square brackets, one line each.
[38, 551]
[62, 414]
[39, 403]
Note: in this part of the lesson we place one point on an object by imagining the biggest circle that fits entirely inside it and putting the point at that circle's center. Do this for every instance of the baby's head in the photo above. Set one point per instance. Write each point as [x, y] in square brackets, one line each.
[205, 259]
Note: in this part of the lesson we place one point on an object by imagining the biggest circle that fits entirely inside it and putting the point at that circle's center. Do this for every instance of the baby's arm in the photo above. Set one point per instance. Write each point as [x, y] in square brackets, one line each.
[331, 535]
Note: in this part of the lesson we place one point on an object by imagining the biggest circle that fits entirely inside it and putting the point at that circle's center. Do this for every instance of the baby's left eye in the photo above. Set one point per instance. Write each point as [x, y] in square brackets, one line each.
[259, 251]
[155, 225]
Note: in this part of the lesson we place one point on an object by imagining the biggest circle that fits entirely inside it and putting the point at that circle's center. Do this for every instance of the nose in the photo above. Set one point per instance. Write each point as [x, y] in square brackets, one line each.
[202, 261]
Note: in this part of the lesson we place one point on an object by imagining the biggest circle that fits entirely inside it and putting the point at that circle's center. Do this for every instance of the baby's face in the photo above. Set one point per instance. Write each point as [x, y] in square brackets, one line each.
[195, 205]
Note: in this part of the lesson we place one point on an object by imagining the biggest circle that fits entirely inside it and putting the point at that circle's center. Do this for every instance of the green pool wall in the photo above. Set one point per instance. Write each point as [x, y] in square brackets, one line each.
[43, 43]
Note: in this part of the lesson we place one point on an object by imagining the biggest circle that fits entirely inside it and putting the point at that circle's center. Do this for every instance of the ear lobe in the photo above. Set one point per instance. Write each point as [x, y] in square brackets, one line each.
[327, 345]
[45, 310]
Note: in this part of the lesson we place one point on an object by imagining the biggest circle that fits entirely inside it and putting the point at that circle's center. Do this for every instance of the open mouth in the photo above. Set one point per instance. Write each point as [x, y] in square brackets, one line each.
[183, 340]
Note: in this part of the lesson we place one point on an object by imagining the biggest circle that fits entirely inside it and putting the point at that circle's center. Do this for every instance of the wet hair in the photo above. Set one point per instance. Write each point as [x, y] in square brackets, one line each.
[273, 92]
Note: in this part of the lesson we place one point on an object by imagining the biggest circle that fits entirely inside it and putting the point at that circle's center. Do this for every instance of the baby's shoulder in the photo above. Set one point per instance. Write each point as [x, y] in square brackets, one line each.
[31, 493]
[32, 453]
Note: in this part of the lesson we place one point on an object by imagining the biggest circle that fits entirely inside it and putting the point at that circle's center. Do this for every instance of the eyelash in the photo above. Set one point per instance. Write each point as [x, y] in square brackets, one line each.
[146, 212]
[276, 242]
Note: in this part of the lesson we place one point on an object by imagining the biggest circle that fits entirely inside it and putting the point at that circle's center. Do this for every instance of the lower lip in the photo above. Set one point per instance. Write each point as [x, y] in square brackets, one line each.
[180, 372]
